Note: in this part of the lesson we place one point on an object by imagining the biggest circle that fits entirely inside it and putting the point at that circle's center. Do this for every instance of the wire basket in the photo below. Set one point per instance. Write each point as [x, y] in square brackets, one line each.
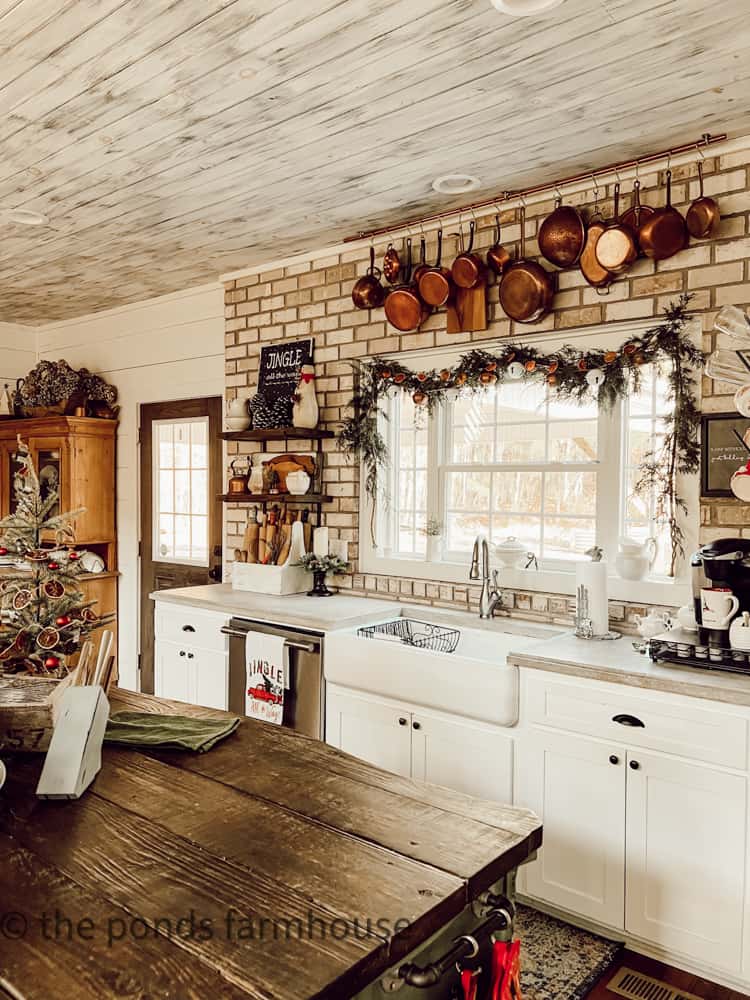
[414, 633]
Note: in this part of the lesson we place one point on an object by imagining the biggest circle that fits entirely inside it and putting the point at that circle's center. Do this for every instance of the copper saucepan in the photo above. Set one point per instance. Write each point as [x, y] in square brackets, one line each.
[391, 265]
[498, 257]
[436, 284]
[368, 293]
[403, 308]
[665, 233]
[562, 235]
[703, 216]
[527, 290]
[468, 270]
[617, 248]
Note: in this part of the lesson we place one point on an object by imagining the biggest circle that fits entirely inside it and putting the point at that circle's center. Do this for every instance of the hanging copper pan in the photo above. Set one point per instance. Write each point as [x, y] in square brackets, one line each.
[436, 284]
[403, 308]
[498, 257]
[636, 215]
[391, 265]
[562, 235]
[368, 293]
[468, 270]
[617, 248]
[527, 290]
[703, 216]
[596, 275]
[665, 233]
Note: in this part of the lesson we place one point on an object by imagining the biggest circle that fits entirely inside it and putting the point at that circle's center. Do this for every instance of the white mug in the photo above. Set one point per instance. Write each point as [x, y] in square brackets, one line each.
[718, 607]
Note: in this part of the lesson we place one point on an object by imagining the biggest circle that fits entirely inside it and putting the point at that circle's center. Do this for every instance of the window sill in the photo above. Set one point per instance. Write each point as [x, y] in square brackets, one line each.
[672, 593]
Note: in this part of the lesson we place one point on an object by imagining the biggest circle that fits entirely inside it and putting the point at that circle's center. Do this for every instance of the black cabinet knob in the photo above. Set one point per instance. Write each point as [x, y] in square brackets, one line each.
[634, 764]
[190, 656]
[416, 725]
[402, 722]
[614, 759]
[182, 652]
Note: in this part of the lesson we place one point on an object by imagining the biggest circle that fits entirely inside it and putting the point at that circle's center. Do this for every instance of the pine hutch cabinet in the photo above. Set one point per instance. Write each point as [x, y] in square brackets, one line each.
[77, 456]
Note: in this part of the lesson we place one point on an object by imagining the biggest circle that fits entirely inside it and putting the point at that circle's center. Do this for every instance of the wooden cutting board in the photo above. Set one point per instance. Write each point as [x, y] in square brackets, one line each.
[467, 310]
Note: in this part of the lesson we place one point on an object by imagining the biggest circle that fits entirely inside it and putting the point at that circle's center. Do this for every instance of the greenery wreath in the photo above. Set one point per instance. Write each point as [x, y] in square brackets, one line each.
[607, 375]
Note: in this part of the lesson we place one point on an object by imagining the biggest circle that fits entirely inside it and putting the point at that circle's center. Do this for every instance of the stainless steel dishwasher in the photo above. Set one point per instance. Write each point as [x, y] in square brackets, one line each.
[304, 700]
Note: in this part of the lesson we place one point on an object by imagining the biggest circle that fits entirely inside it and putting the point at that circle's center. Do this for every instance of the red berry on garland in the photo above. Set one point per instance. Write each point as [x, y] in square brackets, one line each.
[62, 621]
[52, 663]
[53, 565]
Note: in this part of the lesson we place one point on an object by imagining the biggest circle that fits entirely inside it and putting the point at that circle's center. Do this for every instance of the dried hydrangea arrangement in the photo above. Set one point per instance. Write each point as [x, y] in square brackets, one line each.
[54, 383]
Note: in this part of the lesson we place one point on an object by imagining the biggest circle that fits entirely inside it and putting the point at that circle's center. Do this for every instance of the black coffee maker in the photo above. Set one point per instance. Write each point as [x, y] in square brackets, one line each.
[723, 563]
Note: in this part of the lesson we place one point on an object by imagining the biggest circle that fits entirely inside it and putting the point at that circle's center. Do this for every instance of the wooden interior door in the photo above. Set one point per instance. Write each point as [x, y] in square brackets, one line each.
[180, 547]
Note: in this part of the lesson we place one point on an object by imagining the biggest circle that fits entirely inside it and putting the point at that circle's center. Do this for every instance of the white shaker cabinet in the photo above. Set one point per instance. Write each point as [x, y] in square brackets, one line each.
[578, 787]
[191, 656]
[685, 857]
[470, 757]
[173, 673]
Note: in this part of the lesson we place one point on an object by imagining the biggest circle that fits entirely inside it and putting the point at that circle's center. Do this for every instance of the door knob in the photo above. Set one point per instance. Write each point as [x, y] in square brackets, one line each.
[416, 725]
[634, 765]
[402, 722]
[614, 759]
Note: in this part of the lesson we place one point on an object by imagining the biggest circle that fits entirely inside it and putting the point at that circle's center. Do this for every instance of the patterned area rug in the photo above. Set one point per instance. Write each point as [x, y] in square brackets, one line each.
[558, 961]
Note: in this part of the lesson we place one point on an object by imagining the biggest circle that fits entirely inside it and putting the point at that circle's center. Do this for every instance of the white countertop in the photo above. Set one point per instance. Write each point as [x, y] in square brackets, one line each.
[323, 614]
[617, 661]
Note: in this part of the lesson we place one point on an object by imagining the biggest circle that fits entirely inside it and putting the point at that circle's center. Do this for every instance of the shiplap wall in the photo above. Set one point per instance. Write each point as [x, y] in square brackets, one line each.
[171, 347]
[17, 351]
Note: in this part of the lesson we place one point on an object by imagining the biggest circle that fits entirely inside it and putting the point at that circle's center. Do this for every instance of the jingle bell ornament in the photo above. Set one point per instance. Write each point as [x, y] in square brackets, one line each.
[515, 370]
[595, 377]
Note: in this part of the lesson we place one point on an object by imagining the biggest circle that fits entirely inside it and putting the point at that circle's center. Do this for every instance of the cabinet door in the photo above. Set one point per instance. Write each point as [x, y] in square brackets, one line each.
[469, 757]
[686, 836]
[211, 678]
[373, 729]
[174, 673]
[580, 795]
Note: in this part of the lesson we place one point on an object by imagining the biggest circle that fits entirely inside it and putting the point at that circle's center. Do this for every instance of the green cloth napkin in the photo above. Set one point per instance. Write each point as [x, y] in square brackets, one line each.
[167, 732]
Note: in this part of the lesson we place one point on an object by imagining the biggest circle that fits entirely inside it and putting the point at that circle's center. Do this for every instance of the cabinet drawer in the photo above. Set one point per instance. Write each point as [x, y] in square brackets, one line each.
[190, 626]
[671, 723]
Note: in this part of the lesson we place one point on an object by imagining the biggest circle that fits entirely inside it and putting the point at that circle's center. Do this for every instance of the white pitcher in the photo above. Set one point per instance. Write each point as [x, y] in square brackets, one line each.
[634, 558]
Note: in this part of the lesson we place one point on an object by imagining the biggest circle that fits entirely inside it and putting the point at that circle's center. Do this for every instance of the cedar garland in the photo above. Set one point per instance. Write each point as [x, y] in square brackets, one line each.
[566, 371]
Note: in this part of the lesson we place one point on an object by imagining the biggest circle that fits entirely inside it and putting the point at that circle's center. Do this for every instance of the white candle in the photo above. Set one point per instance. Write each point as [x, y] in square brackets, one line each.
[320, 542]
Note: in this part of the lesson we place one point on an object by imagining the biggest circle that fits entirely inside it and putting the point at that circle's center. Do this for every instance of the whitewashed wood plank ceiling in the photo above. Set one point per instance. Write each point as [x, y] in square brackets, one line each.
[167, 141]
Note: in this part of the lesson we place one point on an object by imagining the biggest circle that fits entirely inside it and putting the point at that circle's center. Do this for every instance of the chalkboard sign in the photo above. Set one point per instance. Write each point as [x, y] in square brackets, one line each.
[280, 367]
[721, 453]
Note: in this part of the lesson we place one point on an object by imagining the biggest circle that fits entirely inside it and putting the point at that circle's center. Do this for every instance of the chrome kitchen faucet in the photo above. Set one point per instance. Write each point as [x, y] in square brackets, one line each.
[490, 597]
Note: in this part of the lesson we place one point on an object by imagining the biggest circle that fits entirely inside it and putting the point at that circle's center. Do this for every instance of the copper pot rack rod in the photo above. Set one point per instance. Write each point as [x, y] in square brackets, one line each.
[704, 142]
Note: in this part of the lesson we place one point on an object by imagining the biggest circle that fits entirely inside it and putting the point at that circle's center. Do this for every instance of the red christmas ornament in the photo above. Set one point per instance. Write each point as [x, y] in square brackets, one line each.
[62, 621]
[53, 565]
[73, 556]
[3, 551]
[52, 663]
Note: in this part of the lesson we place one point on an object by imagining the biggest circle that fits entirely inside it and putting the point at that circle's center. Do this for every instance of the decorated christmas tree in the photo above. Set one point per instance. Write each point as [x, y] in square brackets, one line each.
[45, 616]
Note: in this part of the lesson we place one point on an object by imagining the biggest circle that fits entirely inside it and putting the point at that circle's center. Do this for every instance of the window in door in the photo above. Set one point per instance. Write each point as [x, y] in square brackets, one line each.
[180, 491]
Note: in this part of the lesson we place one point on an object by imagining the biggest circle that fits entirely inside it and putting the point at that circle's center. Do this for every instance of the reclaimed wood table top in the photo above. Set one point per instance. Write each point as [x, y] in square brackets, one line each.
[273, 866]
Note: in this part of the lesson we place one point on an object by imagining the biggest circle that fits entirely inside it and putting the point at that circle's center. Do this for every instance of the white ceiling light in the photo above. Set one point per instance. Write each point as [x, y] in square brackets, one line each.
[524, 8]
[24, 217]
[456, 183]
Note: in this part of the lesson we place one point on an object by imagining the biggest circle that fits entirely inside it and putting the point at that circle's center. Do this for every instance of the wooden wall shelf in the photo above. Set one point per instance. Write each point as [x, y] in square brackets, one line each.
[277, 434]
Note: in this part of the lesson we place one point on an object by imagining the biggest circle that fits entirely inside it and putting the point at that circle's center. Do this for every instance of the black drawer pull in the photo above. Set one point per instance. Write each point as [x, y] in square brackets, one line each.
[629, 720]
[188, 628]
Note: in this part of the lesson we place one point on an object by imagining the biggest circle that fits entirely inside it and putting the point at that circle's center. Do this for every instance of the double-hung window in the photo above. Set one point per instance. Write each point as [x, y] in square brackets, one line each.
[517, 460]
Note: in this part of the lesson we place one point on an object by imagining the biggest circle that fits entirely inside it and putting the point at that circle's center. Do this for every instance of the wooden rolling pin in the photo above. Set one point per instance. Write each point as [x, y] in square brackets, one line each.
[286, 539]
[252, 537]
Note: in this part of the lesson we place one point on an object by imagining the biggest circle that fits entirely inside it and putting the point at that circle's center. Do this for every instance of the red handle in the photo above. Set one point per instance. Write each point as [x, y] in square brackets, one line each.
[469, 983]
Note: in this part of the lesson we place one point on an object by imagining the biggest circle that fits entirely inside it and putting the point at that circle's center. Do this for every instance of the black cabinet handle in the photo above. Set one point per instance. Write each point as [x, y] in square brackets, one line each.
[634, 765]
[614, 759]
[416, 725]
[188, 628]
[629, 720]
[402, 722]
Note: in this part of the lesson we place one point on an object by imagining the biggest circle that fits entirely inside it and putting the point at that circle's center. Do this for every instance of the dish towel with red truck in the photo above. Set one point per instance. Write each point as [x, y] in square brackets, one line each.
[267, 677]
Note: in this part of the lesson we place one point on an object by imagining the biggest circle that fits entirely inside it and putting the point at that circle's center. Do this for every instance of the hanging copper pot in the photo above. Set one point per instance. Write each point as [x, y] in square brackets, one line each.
[468, 270]
[617, 248]
[436, 284]
[703, 216]
[527, 290]
[391, 265]
[498, 257]
[562, 235]
[368, 293]
[403, 308]
[665, 233]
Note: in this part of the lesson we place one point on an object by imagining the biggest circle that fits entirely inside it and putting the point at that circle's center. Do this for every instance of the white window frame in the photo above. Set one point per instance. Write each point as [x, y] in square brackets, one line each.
[155, 512]
[451, 568]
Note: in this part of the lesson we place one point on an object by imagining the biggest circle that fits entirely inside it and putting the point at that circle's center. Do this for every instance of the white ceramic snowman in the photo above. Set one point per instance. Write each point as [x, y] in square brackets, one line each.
[740, 483]
[305, 410]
